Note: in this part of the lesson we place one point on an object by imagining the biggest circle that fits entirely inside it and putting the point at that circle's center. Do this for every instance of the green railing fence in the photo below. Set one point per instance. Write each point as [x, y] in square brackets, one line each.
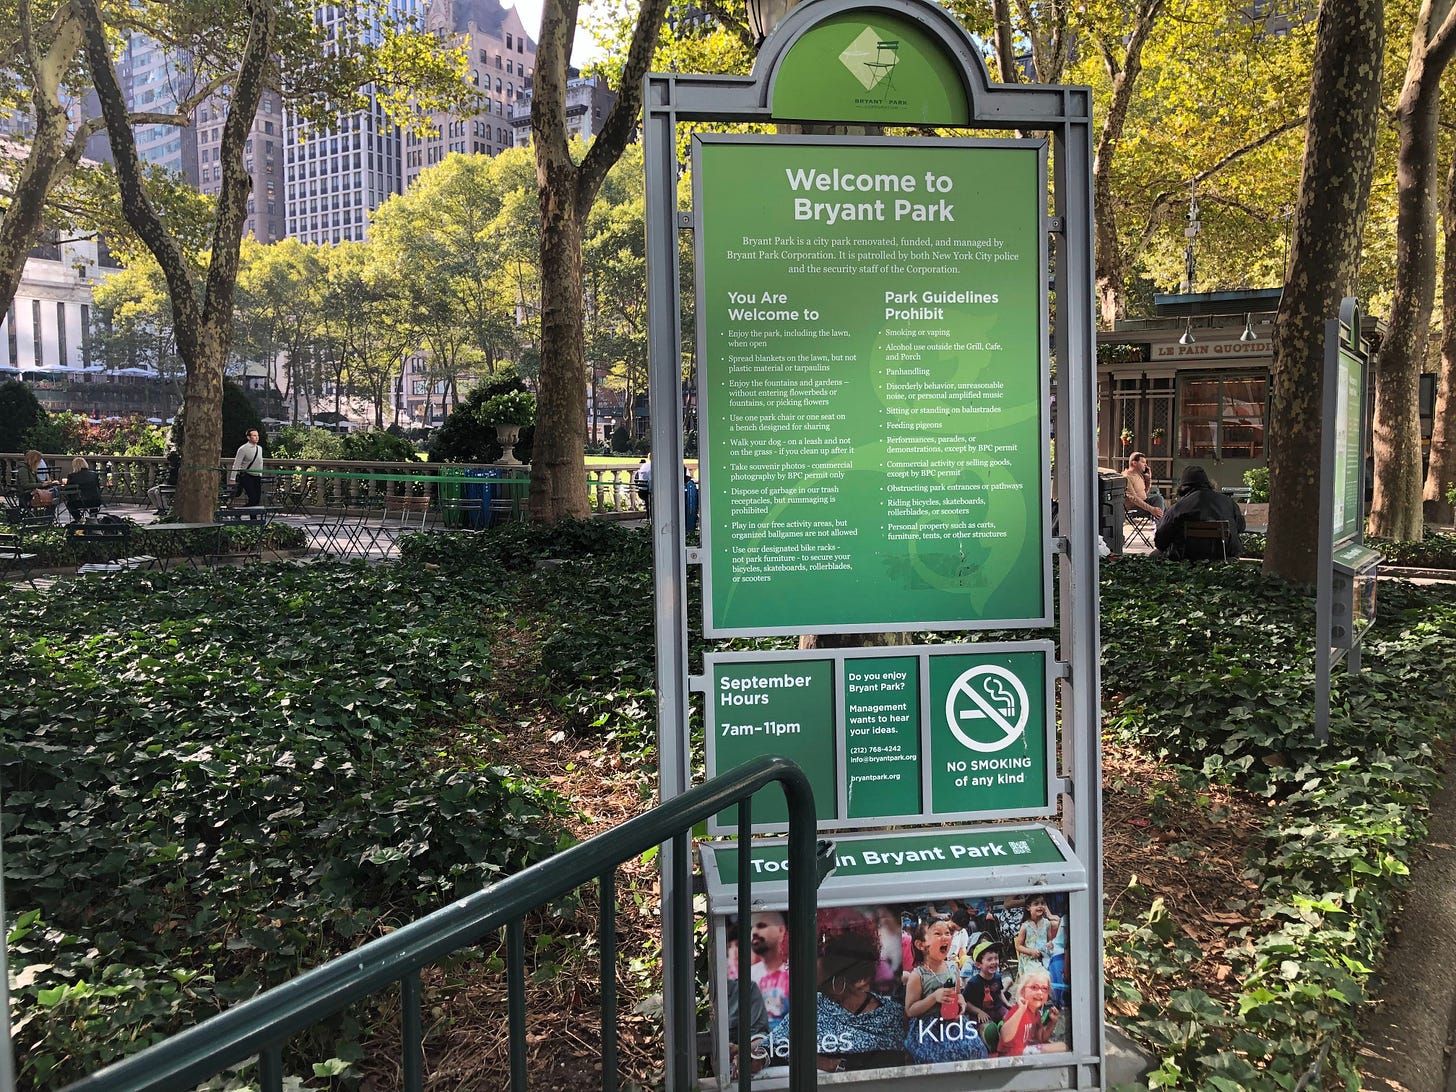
[263, 1025]
[331, 482]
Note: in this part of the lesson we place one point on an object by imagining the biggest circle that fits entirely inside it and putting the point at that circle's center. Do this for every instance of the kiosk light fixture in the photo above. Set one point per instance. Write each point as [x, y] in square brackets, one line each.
[1249, 334]
[1187, 337]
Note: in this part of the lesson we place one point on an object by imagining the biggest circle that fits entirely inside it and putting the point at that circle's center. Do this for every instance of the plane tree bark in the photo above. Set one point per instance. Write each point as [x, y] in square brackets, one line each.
[46, 54]
[1334, 193]
[1441, 473]
[566, 191]
[1396, 508]
[203, 325]
[1121, 54]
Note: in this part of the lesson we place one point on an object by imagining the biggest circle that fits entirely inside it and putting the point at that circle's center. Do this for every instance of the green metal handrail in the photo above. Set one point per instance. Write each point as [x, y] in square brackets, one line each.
[263, 1024]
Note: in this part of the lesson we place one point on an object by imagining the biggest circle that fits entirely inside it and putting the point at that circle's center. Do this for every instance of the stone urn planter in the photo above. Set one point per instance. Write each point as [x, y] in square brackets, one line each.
[507, 436]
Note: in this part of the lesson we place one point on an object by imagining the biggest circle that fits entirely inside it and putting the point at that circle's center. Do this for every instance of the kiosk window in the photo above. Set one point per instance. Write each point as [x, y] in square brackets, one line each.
[1223, 417]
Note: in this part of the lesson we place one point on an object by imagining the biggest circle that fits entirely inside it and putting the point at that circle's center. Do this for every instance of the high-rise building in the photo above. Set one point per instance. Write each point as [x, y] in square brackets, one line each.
[336, 175]
[502, 60]
[155, 79]
[263, 155]
[588, 101]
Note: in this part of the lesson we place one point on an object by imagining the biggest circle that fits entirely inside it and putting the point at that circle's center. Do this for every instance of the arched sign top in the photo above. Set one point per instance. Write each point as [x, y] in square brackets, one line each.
[892, 62]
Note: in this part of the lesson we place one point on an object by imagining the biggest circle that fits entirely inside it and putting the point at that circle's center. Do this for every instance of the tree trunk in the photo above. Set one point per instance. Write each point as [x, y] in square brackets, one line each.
[204, 329]
[1110, 259]
[566, 192]
[1396, 512]
[48, 57]
[1333, 196]
[1441, 473]
[558, 471]
[198, 480]
[1005, 49]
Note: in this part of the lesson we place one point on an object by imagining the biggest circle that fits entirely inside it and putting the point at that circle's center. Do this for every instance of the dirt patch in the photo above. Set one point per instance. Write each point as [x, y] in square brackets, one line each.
[1188, 847]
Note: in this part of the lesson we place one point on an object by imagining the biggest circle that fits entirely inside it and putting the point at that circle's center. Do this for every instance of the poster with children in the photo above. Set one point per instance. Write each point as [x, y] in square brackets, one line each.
[960, 980]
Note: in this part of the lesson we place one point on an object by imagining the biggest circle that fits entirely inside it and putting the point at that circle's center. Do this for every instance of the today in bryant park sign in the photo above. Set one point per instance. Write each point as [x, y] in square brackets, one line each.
[874, 384]
[936, 731]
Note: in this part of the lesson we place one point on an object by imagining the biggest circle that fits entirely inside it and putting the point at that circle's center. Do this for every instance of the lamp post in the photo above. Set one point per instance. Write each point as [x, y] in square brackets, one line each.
[1190, 233]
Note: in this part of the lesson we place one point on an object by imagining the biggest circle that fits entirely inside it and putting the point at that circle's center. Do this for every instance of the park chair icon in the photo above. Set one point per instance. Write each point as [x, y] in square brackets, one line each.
[882, 68]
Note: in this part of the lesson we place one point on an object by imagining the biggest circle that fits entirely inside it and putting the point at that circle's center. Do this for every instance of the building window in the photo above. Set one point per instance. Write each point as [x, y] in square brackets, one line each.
[508, 41]
[14, 345]
[35, 333]
[85, 334]
[1223, 417]
[61, 356]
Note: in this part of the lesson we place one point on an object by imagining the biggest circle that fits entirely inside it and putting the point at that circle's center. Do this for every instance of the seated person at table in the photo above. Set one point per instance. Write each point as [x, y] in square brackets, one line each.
[33, 491]
[1198, 500]
[88, 488]
[1141, 496]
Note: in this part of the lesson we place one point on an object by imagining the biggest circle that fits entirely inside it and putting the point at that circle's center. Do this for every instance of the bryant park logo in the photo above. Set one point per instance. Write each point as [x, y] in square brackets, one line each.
[872, 59]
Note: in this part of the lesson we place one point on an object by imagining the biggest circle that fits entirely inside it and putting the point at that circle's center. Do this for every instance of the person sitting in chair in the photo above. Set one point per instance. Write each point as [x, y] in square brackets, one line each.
[87, 497]
[1141, 496]
[1198, 500]
[34, 490]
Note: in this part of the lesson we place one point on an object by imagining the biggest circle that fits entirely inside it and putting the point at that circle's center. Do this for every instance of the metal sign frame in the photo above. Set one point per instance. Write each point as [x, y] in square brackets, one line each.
[1064, 115]
[1343, 559]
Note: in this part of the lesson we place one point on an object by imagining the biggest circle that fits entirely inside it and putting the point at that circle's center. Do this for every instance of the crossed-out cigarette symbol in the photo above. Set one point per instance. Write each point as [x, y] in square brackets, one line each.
[990, 694]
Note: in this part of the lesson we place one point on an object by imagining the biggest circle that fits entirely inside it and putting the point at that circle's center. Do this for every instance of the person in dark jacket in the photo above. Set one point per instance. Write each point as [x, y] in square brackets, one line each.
[1197, 500]
[87, 496]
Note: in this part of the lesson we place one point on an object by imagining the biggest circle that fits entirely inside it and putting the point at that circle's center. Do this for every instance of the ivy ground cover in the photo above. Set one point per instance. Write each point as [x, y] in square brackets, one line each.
[214, 780]
[1209, 673]
[322, 766]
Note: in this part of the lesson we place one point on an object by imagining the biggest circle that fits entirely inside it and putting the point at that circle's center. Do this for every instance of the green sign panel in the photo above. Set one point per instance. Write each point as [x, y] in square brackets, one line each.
[988, 732]
[960, 850]
[882, 734]
[870, 66]
[873, 380]
[931, 731]
[783, 708]
[1348, 448]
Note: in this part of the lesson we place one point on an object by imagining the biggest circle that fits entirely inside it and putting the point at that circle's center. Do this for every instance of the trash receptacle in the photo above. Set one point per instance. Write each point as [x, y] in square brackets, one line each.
[477, 493]
[1111, 493]
[448, 493]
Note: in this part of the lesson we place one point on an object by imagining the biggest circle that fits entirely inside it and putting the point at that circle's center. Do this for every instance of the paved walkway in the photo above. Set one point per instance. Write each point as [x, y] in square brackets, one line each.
[1408, 1031]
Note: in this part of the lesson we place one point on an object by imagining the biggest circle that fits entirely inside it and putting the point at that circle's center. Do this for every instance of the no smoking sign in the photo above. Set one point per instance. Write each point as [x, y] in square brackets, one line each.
[990, 742]
[986, 709]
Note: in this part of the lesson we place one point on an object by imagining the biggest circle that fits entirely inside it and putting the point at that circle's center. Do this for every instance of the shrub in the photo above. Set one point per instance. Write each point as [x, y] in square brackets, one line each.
[510, 408]
[1258, 482]
[377, 446]
[467, 437]
[20, 412]
[308, 442]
